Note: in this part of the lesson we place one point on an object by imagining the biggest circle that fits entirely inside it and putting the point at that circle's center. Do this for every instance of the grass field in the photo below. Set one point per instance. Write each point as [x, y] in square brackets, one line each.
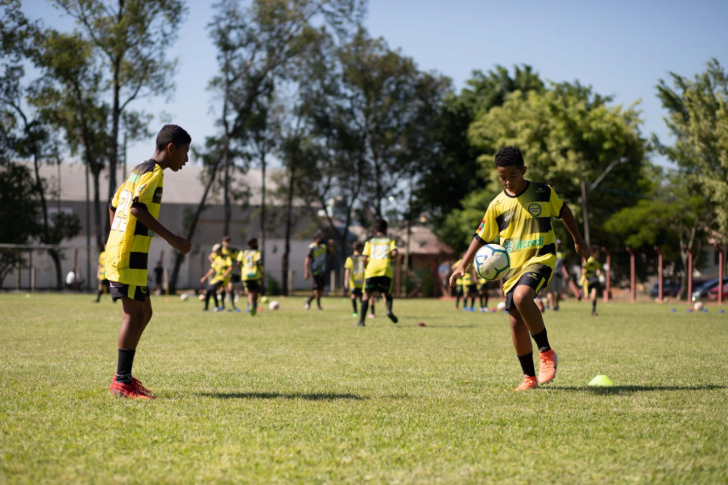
[296, 396]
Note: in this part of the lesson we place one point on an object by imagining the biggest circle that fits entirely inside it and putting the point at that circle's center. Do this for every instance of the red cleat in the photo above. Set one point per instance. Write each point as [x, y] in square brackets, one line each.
[547, 367]
[135, 390]
[527, 384]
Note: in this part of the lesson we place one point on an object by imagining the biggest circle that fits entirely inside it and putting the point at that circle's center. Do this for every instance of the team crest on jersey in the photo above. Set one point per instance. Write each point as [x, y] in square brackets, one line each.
[534, 209]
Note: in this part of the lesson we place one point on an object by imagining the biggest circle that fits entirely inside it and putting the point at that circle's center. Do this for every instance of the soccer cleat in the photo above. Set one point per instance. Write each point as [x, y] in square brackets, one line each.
[354, 315]
[472, 309]
[594, 314]
[307, 306]
[372, 315]
[320, 309]
[135, 390]
[547, 367]
[253, 311]
[218, 309]
[391, 316]
[528, 383]
[360, 324]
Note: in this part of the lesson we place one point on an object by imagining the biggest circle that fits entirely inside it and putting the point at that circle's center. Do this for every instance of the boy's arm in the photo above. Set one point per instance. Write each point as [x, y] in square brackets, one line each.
[207, 275]
[306, 267]
[112, 213]
[177, 242]
[467, 260]
[567, 217]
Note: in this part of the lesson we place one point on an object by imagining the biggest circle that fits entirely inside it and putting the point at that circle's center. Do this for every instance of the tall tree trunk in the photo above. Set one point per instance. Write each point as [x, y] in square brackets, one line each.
[262, 212]
[115, 115]
[226, 184]
[100, 240]
[46, 232]
[287, 246]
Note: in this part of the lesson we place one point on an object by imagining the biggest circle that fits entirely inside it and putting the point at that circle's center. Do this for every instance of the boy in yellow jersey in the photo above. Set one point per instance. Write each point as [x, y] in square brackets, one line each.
[483, 293]
[458, 288]
[236, 283]
[521, 216]
[315, 266]
[591, 270]
[378, 254]
[252, 273]
[133, 214]
[354, 276]
[470, 290]
[556, 286]
[220, 270]
[101, 276]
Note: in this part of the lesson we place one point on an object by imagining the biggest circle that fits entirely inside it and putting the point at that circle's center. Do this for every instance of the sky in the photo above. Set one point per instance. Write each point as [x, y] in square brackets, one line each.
[621, 48]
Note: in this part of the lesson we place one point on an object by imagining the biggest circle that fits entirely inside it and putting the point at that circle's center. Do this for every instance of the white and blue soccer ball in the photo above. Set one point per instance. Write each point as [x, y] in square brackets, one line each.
[492, 262]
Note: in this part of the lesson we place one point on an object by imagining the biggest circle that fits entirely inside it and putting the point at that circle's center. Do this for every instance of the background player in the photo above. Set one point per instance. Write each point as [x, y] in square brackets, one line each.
[354, 275]
[483, 292]
[252, 273]
[378, 254]
[470, 290]
[315, 266]
[220, 270]
[158, 277]
[591, 270]
[133, 213]
[458, 288]
[101, 276]
[556, 285]
[235, 285]
[521, 216]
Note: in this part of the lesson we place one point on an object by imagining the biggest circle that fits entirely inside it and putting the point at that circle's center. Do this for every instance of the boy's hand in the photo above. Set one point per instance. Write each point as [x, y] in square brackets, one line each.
[458, 273]
[180, 244]
[582, 249]
[202, 280]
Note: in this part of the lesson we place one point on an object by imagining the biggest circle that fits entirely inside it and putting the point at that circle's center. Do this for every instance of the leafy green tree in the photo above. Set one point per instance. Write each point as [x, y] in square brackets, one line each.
[698, 118]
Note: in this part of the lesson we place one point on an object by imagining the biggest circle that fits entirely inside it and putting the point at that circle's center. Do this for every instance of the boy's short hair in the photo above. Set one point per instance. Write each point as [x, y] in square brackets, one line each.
[226, 238]
[381, 226]
[253, 242]
[319, 235]
[172, 134]
[509, 157]
[358, 246]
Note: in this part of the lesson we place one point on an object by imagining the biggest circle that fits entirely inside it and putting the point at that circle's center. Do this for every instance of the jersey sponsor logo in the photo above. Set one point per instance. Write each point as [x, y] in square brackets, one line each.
[511, 245]
[534, 209]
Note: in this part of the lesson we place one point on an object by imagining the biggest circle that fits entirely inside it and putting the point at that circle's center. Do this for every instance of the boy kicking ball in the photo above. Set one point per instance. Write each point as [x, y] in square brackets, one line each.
[133, 213]
[521, 217]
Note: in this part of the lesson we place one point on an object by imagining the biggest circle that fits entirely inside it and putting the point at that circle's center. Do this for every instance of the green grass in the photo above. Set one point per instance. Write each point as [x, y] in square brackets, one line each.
[305, 397]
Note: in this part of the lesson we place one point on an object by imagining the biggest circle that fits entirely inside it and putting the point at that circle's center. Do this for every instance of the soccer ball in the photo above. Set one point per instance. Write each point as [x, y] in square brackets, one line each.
[184, 296]
[201, 297]
[273, 305]
[501, 306]
[698, 306]
[492, 261]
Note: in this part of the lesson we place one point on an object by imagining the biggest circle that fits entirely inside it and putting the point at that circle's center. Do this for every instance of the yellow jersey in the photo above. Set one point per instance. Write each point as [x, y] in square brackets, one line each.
[591, 266]
[102, 265]
[523, 224]
[250, 261]
[355, 265]
[379, 251]
[127, 249]
[221, 264]
[467, 280]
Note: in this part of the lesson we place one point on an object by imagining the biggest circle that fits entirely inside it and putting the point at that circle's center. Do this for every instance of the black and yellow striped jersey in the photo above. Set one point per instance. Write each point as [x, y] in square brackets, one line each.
[591, 268]
[221, 264]
[127, 250]
[523, 224]
[355, 265]
[317, 253]
[233, 254]
[250, 261]
[378, 250]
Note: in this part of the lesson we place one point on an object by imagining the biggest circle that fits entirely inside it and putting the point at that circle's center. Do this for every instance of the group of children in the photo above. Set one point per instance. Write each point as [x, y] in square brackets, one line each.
[230, 272]
[519, 218]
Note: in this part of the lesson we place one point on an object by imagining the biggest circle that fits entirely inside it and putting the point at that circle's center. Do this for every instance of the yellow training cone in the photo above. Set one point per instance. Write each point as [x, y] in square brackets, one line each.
[601, 380]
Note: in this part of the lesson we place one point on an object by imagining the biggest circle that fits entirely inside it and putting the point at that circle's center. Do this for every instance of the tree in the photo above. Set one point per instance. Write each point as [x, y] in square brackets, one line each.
[698, 118]
[132, 36]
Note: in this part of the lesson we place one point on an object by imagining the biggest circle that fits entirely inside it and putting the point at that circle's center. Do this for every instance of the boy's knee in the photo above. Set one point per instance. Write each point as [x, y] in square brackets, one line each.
[520, 298]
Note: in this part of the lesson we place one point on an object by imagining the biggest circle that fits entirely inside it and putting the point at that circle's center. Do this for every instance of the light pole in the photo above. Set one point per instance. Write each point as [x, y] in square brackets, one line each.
[585, 192]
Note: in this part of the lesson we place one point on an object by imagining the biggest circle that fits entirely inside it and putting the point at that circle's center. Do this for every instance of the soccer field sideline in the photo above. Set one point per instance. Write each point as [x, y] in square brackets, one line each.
[297, 396]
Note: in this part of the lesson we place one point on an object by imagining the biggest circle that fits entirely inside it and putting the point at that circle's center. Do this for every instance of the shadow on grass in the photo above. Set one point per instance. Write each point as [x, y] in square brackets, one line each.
[281, 395]
[630, 389]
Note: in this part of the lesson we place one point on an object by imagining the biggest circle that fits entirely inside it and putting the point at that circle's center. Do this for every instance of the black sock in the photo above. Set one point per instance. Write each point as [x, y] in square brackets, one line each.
[371, 307]
[208, 295]
[485, 301]
[232, 300]
[363, 314]
[98, 295]
[214, 296]
[542, 340]
[310, 299]
[123, 367]
[527, 365]
[353, 304]
[222, 298]
[389, 303]
[457, 302]
[318, 301]
[594, 305]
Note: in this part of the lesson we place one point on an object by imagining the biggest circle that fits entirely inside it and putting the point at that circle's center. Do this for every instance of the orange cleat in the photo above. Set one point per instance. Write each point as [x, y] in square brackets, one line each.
[547, 367]
[135, 390]
[528, 383]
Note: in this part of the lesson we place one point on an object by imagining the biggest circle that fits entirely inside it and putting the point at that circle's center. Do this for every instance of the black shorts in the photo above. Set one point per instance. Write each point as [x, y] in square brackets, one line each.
[215, 285]
[536, 277]
[121, 290]
[252, 285]
[459, 291]
[595, 285]
[356, 291]
[105, 283]
[382, 284]
[235, 278]
[319, 281]
[473, 290]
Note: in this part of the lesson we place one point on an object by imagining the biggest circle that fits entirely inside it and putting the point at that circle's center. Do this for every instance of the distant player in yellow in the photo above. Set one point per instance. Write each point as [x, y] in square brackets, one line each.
[591, 270]
[133, 214]
[315, 267]
[354, 277]
[521, 217]
[378, 254]
[220, 270]
[235, 284]
[458, 288]
[483, 292]
[101, 276]
[470, 290]
[252, 273]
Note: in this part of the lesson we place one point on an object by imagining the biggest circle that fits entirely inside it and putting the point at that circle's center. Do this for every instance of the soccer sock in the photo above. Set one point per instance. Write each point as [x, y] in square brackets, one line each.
[222, 300]
[232, 300]
[457, 302]
[389, 303]
[594, 305]
[363, 314]
[372, 307]
[482, 305]
[98, 295]
[485, 300]
[123, 367]
[353, 303]
[310, 299]
[318, 302]
[208, 295]
[214, 296]
[527, 365]
[542, 340]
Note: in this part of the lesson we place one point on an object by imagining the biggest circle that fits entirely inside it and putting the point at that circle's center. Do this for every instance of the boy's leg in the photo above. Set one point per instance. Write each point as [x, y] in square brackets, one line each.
[364, 306]
[135, 317]
[524, 349]
[253, 302]
[372, 301]
[353, 304]
[523, 300]
[389, 299]
[318, 292]
[594, 301]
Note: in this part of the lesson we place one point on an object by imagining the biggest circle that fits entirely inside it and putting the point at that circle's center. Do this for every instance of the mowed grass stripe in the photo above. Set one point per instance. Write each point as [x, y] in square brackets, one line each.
[304, 396]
